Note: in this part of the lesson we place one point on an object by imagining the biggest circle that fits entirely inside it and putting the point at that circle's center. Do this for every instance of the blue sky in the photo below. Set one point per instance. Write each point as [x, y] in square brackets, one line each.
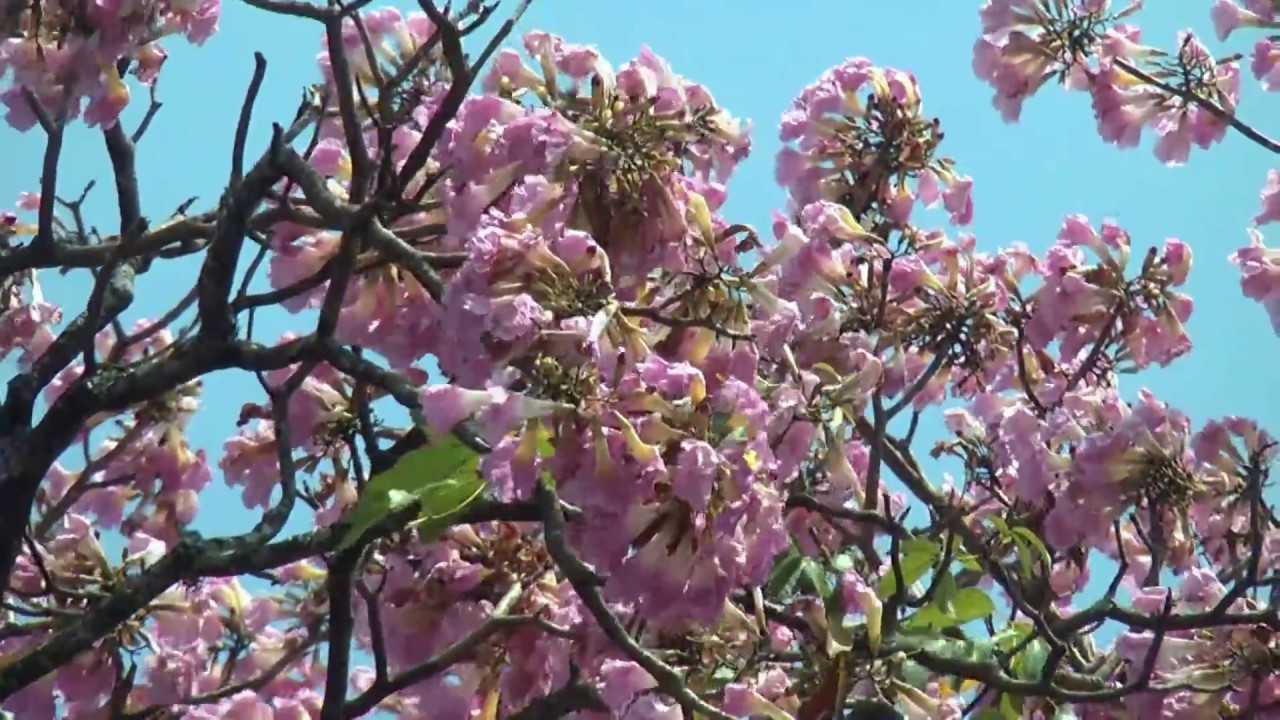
[755, 57]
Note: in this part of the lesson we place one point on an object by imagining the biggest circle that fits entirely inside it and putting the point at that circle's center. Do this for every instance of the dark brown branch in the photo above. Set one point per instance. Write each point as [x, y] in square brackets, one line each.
[1208, 105]
[352, 128]
[341, 625]
[882, 523]
[246, 118]
[314, 636]
[49, 184]
[574, 697]
[457, 652]
[188, 560]
[218, 271]
[587, 585]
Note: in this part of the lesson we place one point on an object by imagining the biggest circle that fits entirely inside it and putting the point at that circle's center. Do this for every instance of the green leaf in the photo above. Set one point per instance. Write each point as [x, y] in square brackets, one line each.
[1011, 707]
[920, 545]
[949, 648]
[970, 604]
[1011, 636]
[720, 677]
[442, 477]
[1031, 660]
[817, 581]
[945, 592]
[929, 618]
[1031, 545]
[785, 575]
[917, 557]
[815, 577]
[950, 608]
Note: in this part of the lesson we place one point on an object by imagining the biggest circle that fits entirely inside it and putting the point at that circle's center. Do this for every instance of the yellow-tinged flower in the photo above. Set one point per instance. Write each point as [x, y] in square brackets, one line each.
[308, 572]
[18, 229]
[234, 599]
[701, 214]
[600, 322]
[649, 402]
[633, 340]
[656, 431]
[840, 469]
[849, 228]
[853, 105]
[858, 595]
[735, 619]
[697, 388]
[1123, 79]
[643, 451]
[604, 459]
[527, 450]
[490, 710]
[921, 702]
[699, 345]
[117, 91]
[551, 195]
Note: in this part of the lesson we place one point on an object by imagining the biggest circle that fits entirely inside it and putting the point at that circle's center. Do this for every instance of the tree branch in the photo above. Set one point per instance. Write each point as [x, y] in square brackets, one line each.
[587, 585]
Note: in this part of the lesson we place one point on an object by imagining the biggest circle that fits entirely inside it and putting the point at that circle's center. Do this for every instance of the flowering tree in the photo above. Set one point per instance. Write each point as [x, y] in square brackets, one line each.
[658, 465]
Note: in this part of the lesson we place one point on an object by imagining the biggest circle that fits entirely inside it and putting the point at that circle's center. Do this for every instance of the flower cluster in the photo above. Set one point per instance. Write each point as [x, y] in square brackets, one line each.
[66, 53]
[692, 445]
[1186, 97]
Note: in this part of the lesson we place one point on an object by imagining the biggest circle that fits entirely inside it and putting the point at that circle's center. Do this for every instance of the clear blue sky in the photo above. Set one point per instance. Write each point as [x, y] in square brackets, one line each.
[754, 56]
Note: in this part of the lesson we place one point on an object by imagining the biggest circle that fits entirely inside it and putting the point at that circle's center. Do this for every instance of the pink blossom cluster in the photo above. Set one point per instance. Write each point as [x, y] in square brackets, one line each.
[706, 402]
[1187, 97]
[65, 53]
[1025, 44]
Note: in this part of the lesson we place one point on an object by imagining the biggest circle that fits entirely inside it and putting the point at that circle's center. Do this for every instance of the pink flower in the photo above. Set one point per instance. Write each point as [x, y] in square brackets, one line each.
[695, 474]
[958, 201]
[297, 258]
[621, 681]
[1177, 260]
[197, 19]
[1121, 111]
[500, 412]
[1012, 63]
[1228, 17]
[245, 705]
[1265, 64]
[1260, 275]
[1270, 197]
[29, 328]
[150, 59]
[29, 200]
[508, 71]
[249, 459]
